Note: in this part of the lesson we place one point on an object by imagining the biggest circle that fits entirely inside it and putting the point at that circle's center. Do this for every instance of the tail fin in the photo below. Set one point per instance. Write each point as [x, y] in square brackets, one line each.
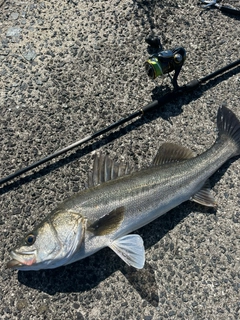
[228, 124]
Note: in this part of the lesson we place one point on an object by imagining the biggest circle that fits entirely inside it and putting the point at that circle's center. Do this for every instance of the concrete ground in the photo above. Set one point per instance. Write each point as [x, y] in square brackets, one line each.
[70, 68]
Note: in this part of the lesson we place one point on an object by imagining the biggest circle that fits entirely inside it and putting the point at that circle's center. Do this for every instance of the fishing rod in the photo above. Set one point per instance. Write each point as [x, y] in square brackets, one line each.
[190, 86]
[208, 4]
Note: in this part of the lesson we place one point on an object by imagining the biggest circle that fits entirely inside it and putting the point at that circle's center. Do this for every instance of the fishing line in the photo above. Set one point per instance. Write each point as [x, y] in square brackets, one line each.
[190, 86]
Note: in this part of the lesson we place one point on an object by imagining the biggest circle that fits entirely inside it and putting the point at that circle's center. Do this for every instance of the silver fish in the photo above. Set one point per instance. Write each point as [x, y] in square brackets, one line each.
[118, 201]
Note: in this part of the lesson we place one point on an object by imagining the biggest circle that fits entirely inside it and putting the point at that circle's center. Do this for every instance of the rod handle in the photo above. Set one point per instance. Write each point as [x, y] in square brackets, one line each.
[229, 10]
[160, 102]
[168, 97]
[192, 85]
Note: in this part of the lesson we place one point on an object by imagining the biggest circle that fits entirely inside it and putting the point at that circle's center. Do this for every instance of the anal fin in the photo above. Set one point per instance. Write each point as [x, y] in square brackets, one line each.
[130, 249]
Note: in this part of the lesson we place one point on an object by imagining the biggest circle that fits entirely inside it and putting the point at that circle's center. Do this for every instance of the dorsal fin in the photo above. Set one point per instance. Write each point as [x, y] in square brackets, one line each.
[105, 169]
[171, 152]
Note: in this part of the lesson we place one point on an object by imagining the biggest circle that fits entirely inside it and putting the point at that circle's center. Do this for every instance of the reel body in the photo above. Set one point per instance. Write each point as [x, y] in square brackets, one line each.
[164, 61]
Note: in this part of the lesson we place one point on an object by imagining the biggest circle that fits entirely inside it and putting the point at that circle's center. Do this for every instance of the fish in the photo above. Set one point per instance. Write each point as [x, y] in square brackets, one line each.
[119, 200]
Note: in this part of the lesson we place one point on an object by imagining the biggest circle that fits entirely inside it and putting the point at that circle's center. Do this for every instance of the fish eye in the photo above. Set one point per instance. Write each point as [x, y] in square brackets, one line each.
[30, 239]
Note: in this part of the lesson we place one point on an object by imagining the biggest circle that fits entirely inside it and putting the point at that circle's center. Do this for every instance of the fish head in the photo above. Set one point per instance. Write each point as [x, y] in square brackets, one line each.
[51, 244]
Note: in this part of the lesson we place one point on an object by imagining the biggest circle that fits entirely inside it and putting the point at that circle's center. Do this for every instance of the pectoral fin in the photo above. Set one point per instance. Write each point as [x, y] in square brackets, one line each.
[108, 223]
[204, 197]
[130, 249]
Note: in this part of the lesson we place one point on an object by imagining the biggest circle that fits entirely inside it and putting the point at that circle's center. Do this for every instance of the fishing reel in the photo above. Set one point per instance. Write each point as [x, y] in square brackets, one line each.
[164, 61]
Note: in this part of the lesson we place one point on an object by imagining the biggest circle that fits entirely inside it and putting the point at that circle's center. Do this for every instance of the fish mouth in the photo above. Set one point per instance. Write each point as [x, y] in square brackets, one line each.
[21, 260]
[14, 264]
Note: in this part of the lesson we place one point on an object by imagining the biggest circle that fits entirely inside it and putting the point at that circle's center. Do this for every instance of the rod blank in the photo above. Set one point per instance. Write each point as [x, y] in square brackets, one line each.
[190, 86]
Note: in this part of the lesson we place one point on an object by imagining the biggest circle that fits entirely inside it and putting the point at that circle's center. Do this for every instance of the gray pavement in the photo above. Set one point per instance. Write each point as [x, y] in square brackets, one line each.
[69, 68]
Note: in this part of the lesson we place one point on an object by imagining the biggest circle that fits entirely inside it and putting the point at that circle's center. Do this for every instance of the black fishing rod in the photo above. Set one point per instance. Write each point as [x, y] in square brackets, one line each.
[208, 4]
[190, 86]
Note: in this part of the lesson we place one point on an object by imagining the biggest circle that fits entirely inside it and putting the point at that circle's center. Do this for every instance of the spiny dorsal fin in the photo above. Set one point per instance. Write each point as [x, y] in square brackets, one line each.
[171, 152]
[204, 196]
[105, 169]
[107, 223]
